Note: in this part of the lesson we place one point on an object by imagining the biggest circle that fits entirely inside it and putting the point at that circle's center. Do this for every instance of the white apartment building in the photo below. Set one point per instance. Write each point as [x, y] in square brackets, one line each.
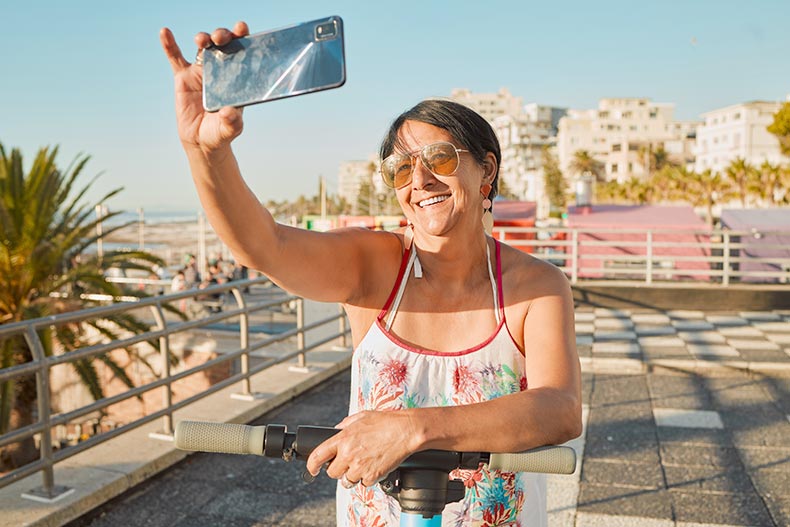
[489, 105]
[522, 138]
[620, 131]
[351, 175]
[737, 131]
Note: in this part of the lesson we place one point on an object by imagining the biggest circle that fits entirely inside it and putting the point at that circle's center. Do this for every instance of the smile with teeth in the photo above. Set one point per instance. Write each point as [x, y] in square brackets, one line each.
[431, 201]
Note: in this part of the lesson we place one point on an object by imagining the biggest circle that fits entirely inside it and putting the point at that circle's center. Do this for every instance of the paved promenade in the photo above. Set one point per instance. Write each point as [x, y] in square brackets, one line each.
[687, 424]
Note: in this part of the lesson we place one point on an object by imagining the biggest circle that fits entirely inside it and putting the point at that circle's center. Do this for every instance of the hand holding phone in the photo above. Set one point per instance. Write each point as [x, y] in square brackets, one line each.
[296, 60]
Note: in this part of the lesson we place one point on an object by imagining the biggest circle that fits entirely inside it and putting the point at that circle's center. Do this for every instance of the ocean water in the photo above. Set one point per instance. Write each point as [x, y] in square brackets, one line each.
[155, 216]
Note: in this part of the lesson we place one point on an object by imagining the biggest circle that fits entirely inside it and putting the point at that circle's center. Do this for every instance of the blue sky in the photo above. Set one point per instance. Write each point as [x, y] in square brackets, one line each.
[90, 76]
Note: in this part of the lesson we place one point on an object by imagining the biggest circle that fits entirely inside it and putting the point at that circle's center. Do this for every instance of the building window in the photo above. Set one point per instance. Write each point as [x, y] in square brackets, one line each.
[736, 116]
[632, 128]
[614, 168]
[617, 147]
[633, 147]
[630, 167]
[653, 114]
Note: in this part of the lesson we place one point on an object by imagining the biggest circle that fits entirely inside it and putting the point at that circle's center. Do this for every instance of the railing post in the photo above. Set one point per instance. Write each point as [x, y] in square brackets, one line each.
[725, 265]
[649, 250]
[244, 343]
[48, 492]
[574, 256]
[167, 393]
[343, 327]
[300, 336]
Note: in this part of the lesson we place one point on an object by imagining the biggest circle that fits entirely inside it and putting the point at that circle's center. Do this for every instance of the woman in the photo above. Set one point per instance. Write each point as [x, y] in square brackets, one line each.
[460, 343]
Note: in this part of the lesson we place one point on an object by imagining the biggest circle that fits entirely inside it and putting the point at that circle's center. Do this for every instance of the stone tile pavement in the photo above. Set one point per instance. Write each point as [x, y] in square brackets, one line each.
[700, 434]
[687, 424]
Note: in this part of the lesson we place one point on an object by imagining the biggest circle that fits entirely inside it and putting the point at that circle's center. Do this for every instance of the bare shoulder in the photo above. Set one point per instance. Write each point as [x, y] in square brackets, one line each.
[527, 278]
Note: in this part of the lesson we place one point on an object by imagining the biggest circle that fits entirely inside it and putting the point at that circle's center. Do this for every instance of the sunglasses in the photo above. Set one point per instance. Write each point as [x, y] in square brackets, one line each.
[441, 159]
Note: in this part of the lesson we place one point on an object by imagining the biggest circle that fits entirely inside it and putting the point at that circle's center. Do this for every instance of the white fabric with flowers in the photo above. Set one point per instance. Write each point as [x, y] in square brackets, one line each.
[388, 374]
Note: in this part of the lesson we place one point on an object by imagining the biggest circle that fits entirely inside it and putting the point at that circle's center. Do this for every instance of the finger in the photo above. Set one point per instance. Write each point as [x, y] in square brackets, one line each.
[172, 51]
[203, 40]
[232, 120]
[322, 454]
[336, 469]
[221, 36]
[240, 29]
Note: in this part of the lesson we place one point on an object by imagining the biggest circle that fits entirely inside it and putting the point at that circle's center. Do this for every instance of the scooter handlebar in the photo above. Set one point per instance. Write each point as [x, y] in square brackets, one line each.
[229, 438]
[547, 459]
[224, 438]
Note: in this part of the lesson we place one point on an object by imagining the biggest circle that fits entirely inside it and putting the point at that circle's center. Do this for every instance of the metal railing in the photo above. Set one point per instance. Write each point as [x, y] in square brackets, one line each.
[164, 327]
[659, 255]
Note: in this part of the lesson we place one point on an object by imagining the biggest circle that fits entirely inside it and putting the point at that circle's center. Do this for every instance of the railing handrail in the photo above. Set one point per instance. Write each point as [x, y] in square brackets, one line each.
[161, 329]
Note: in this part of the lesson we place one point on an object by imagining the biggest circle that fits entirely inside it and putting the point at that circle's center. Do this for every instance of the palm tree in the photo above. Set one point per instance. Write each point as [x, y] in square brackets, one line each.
[554, 182]
[584, 162]
[46, 262]
[742, 176]
[780, 127]
[704, 189]
[771, 184]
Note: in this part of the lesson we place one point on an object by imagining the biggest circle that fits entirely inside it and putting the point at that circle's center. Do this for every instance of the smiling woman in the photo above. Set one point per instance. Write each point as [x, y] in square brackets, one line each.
[461, 343]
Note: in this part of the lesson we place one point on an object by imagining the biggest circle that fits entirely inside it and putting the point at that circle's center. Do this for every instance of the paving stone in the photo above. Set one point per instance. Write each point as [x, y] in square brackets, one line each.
[772, 482]
[584, 340]
[616, 347]
[618, 389]
[752, 344]
[649, 331]
[693, 436]
[772, 327]
[624, 501]
[640, 450]
[702, 337]
[625, 414]
[752, 355]
[651, 352]
[650, 319]
[589, 519]
[712, 350]
[692, 325]
[760, 316]
[779, 338]
[678, 417]
[779, 508]
[615, 472]
[699, 456]
[685, 314]
[613, 323]
[581, 316]
[615, 335]
[661, 341]
[611, 313]
[740, 331]
[727, 320]
[766, 458]
[707, 479]
[585, 328]
[727, 509]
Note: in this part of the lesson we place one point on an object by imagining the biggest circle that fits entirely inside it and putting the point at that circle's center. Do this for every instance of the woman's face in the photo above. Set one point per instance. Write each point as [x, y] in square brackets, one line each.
[438, 204]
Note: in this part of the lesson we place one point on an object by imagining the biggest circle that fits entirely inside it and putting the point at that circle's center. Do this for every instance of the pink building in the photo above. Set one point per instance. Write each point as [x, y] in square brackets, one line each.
[614, 241]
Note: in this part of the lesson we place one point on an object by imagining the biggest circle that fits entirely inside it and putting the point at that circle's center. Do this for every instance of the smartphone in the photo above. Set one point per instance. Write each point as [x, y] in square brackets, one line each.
[295, 60]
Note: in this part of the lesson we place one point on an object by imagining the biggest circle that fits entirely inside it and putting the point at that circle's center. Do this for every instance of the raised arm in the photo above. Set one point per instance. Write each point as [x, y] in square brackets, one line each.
[327, 267]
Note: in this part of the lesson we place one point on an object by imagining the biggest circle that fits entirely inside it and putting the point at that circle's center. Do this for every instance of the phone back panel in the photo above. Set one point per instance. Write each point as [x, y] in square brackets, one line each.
[295, 60]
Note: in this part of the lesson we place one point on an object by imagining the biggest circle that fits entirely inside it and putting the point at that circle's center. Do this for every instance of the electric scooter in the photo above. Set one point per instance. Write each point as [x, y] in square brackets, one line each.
[421, 484]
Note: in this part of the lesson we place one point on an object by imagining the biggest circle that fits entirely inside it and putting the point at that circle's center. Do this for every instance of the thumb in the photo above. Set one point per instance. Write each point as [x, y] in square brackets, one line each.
[231, 121]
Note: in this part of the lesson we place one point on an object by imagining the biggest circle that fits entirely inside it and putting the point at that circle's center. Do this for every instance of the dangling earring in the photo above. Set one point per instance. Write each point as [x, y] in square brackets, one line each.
[488, 216]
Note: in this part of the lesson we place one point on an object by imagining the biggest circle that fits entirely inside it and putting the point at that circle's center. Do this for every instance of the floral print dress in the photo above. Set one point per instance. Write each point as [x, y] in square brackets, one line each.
[388, 374]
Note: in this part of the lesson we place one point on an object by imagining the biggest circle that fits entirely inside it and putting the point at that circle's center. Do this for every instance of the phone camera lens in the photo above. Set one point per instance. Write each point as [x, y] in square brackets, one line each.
[325, 31]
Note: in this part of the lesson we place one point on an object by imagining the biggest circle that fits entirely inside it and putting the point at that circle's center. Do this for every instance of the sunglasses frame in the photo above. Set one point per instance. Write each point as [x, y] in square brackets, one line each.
[420, 155]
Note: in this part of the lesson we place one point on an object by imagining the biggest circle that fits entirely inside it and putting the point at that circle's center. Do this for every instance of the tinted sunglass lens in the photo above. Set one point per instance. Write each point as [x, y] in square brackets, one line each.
[440, 158]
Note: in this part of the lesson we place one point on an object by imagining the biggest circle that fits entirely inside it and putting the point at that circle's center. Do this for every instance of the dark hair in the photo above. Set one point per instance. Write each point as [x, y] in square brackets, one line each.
[467, 127]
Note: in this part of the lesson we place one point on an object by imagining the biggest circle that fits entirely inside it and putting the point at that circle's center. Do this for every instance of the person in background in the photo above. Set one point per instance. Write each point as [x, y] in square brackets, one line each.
[460, 342]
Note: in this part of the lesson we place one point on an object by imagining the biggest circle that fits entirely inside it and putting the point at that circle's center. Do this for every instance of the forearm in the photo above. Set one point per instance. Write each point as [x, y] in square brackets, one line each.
[234, 212]
[512, 423]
